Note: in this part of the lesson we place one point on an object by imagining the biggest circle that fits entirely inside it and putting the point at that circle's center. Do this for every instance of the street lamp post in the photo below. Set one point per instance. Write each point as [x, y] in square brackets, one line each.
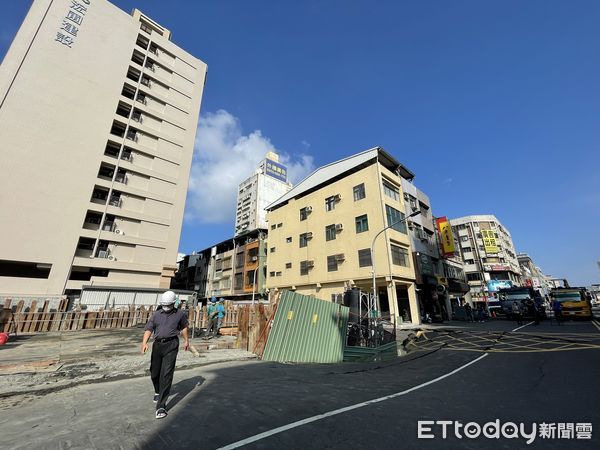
[375, 298]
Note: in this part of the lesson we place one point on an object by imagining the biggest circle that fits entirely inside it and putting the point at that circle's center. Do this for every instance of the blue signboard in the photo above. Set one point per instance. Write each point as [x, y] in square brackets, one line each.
[275, 170]
[495, 285]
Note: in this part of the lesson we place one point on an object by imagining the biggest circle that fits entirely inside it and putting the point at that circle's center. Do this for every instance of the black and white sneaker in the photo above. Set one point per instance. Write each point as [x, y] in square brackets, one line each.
[160, 413]
[156, 398]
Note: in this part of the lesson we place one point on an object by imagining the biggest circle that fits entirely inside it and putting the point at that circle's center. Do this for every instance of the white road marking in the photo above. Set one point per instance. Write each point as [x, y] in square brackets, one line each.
[522, 326]
[299, 423]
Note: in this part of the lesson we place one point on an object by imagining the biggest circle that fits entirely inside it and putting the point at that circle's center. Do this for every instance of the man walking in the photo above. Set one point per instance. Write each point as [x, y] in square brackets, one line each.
[165, 323]
[516, 312]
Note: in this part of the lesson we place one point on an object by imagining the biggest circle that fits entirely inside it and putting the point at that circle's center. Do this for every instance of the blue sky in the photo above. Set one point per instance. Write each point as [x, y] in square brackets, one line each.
[494, 105]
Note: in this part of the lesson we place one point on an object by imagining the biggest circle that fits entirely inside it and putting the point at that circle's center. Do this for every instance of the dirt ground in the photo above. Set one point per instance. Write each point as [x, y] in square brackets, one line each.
[34, 365]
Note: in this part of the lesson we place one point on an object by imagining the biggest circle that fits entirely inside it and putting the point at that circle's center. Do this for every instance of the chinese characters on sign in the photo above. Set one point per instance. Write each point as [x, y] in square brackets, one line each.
[446, 236]
[489, 241]
[275, 170]
[565, 430]
[509, 430]
[71, 22]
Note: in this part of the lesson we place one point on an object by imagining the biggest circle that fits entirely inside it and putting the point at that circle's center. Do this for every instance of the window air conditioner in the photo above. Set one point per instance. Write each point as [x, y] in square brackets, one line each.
[308, 209]
[310, 264]
[340, 257]
[339, 227]
[309, 235]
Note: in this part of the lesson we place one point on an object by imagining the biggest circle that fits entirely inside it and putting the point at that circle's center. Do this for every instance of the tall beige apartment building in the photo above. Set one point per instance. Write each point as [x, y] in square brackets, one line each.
[320, 234]
[98, 116]
[489, 255]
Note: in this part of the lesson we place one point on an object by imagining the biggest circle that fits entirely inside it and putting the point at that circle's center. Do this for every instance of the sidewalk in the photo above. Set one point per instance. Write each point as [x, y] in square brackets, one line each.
[39, 363]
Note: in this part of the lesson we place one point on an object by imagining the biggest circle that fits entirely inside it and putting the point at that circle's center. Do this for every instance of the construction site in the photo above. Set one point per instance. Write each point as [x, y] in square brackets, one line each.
[49, 348]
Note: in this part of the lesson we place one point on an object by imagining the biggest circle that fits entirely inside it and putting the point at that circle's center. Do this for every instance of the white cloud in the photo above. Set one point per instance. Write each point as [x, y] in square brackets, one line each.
[223, 157]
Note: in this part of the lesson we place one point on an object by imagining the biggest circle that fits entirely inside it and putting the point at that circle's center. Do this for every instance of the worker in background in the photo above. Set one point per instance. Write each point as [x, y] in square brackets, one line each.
[213, 317]
[220, 313]
[166, 324]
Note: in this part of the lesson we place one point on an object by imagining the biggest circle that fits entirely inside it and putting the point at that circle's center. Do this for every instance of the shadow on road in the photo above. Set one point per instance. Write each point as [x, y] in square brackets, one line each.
[180, 390]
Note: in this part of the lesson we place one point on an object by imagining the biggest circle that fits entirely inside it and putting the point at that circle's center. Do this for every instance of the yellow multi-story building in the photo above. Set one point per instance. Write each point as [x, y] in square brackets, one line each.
[321, 232]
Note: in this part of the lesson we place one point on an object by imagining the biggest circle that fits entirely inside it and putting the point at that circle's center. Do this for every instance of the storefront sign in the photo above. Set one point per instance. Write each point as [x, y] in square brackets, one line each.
[489, 241]
[446, 237]
[495, 285]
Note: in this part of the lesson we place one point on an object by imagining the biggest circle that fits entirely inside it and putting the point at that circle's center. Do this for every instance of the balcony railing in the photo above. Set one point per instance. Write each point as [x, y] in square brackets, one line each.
[116, 201]
[121, 178]
[132, 136]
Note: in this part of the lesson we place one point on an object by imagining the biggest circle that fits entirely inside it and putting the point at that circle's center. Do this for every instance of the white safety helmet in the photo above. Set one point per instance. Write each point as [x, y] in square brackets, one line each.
[168, 298]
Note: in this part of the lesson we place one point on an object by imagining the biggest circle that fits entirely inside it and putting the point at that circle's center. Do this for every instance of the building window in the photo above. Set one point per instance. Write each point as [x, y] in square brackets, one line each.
[271, 274]
[474, 276]
[288, 239]
[359, 192]
[364, 258]
[391, 191]
[288, 265]
[330, 232]
[273, 227]
[272, 250]
[395, 217]
[239, 281]
[467, 249]
[330, 203]
[278, 274]
[304, 267]
[362, 223]
[332, 263]
[304, 213]
[239, 260]
[399, 256]
[469, 261]
[303, 241]
[279, 225]
[464, 238]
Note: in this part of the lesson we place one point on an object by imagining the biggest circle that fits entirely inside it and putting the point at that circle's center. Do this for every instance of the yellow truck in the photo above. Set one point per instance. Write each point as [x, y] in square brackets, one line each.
[575, 302]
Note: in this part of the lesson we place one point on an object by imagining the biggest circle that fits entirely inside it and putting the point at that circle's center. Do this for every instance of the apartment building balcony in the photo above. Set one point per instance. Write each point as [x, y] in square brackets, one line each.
[99, 195]
[92, 220]
[121, 176]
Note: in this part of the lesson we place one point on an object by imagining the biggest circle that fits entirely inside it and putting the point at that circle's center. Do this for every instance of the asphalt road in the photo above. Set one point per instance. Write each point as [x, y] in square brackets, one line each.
[544, 373]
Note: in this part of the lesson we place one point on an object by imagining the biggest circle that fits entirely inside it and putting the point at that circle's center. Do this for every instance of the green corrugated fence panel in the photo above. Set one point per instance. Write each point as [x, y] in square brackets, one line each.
[307, 329]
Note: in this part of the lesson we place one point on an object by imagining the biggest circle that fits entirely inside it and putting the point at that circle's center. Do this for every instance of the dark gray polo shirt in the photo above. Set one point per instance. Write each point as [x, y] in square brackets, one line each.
[167, 324]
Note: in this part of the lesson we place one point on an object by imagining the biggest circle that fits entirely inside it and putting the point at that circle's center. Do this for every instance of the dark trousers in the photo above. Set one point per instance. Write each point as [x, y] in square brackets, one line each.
[162, 368]
[212, 327]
